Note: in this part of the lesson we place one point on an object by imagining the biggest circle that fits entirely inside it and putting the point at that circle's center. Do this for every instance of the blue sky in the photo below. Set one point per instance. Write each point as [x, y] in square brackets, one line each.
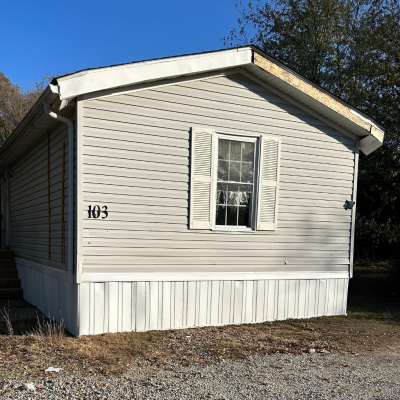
[38, 37]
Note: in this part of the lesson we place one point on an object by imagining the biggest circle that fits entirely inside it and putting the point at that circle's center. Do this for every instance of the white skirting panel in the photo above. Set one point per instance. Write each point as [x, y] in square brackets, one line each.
[142, 306]
[48, 289]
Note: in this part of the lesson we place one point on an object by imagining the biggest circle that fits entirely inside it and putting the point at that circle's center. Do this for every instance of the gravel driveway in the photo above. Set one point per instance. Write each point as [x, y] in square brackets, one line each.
[281, 376]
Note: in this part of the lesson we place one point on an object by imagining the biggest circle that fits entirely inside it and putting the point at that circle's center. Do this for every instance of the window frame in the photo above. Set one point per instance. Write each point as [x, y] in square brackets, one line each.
[240, 138]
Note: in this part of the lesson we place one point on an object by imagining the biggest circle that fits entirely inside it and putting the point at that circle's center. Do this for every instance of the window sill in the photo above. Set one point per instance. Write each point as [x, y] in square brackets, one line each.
[232, 229]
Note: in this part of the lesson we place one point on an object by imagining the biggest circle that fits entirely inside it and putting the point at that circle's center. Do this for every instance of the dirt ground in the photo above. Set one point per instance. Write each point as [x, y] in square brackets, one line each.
[372, 327]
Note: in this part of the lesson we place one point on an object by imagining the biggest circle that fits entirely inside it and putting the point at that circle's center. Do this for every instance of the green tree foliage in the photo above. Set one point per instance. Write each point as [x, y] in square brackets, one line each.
[352, 49]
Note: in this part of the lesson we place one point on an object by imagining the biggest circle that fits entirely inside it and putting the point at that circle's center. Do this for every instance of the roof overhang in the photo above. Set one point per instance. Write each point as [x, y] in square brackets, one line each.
[319, 101]
[94, 80]
[32, 128]
[248, 59]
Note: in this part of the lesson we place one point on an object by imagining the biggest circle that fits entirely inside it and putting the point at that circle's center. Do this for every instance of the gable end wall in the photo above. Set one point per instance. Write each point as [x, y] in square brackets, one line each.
[135, 159]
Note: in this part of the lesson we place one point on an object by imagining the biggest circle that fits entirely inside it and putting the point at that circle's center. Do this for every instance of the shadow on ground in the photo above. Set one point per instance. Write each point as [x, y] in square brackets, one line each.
[374, 292]
[23, 316]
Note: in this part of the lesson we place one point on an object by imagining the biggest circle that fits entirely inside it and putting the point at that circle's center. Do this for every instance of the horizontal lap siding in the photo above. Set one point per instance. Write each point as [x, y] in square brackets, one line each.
[29, 203]
[136, 161]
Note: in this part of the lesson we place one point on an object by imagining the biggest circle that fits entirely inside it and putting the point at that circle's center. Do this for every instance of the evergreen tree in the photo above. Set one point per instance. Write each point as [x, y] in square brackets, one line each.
[352, 49]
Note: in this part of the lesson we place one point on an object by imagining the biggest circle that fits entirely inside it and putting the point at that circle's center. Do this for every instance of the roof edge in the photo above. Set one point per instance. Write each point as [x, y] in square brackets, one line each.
[372, 129]
[82, 82]
[70, 86]
[372, 142]
[20, 131]
[353, 109]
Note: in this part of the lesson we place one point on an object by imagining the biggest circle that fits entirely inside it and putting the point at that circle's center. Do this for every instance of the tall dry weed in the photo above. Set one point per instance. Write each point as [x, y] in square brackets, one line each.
[50, 329]
[5, 315]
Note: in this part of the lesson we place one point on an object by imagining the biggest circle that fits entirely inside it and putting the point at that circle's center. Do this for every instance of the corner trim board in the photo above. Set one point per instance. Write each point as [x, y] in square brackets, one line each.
[353, 215]
[79, 189]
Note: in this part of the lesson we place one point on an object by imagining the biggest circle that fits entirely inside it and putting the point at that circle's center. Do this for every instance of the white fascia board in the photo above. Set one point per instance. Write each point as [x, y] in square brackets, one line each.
[374, 138]
[369, 144]
[369, 121]
[146, 71]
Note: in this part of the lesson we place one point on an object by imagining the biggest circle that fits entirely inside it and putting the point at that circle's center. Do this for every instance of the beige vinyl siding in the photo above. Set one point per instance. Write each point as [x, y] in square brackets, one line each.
[136, 161]
[29, 203]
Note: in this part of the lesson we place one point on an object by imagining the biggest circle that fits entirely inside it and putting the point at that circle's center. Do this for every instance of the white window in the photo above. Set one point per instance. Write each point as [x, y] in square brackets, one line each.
[234, 181]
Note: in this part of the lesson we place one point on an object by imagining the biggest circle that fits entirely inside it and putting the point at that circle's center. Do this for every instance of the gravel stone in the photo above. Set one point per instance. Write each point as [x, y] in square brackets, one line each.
[280, 376]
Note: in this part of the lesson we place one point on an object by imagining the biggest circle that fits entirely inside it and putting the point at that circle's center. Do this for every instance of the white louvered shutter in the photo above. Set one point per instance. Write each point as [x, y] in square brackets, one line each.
[268, 185]
[201, 178]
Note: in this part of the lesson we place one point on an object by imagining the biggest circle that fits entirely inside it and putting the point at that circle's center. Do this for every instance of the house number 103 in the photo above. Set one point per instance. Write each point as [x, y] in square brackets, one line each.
[95, 212]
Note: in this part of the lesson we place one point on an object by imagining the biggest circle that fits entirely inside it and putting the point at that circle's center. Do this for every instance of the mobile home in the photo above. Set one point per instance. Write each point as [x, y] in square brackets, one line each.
[205, 189]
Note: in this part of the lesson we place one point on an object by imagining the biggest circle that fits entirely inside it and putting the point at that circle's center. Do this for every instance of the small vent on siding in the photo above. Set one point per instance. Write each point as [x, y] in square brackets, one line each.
[270, 160]
[201, 201]
[267, 211]
[202, 154]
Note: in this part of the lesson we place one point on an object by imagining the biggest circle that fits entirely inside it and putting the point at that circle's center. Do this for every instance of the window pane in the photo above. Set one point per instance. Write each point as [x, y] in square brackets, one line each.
[247, 151]
[247, 172]
[221, 193]
[244, 195]
[236, 153]
[224, 186]
[220, 215]
[231, 217]
[244, 216]
[223, 170]
[232, 195]
[234, 173]
[236, 165]
[223, 149]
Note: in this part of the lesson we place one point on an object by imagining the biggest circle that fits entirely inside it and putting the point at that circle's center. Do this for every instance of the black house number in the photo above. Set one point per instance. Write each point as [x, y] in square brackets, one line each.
[95, 212]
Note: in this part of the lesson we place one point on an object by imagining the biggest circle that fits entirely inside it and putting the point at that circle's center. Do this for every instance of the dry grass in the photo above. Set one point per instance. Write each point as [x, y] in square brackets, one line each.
[371, 327]
[5, 316]
[49, 329]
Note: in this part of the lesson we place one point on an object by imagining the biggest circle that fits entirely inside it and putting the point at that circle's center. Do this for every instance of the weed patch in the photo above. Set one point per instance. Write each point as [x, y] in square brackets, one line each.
[5, 316]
